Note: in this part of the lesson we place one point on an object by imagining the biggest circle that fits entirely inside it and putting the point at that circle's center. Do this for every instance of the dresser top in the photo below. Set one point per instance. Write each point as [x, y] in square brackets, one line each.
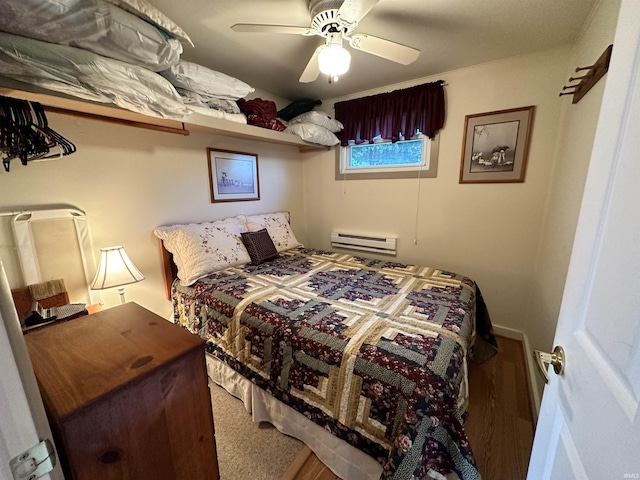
[79, 361]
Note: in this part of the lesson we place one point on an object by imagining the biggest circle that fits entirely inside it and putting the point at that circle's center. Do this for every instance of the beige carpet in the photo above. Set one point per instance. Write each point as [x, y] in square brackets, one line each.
[247, 450]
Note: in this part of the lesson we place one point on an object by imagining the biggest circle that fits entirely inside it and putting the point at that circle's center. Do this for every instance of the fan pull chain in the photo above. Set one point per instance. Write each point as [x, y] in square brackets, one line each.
[415, 235]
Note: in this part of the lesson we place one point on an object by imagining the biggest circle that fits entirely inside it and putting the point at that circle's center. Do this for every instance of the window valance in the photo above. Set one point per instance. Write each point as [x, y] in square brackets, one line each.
[393, 114]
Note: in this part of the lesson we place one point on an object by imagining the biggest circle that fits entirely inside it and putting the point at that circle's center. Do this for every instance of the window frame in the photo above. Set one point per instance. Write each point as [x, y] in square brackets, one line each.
[394, 172]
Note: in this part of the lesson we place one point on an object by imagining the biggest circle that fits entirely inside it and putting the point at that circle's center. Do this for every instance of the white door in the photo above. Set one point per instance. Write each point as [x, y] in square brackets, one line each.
[589, 424]
[23, 422]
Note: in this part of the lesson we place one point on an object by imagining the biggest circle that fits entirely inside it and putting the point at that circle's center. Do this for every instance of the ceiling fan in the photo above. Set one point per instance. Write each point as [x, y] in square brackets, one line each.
[337, 20]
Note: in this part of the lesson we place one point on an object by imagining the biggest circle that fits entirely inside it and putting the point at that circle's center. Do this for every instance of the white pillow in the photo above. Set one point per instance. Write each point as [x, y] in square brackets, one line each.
[310, 132]
[146, 11]
[203, 80]
[202, 248]
[277, 224]
[318, 118]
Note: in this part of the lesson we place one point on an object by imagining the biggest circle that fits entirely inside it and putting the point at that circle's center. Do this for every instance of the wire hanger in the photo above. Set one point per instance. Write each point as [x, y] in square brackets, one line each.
[25, 134]
[16, 138]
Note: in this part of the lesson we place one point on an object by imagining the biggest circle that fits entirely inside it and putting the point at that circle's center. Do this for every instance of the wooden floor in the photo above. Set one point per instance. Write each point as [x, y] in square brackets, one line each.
[499, 426]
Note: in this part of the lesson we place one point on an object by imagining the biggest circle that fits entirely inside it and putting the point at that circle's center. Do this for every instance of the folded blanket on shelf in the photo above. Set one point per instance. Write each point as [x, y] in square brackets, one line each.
[261, 113]
[199, 79]
[208, 101]
[212, 112]
[86, 75]
[93, 25]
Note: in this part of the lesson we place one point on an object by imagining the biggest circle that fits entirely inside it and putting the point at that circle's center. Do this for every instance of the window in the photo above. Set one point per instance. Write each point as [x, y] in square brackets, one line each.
[402, 159]
[389, 116]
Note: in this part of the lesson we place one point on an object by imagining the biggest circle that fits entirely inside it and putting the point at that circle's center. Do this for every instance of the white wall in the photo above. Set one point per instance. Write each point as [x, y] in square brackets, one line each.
[130, 180]
[489, 232]
[573, 152]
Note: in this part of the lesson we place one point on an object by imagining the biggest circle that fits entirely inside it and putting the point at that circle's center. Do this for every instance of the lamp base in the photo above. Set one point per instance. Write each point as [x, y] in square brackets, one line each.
[121, 292]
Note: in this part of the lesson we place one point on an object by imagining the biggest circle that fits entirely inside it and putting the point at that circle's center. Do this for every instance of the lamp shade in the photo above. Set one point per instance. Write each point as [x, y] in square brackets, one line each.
[115, 269]
[334, 60]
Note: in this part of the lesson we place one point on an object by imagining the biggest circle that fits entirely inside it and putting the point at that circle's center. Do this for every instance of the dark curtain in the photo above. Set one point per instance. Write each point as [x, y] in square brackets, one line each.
[391, 114]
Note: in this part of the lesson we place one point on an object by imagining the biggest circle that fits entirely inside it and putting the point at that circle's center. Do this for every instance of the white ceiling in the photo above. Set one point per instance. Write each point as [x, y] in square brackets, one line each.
[450, 34]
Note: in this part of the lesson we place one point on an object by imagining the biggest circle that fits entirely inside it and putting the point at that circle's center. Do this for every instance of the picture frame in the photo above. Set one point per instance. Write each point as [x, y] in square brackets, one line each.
[233, 176]
[495, 146]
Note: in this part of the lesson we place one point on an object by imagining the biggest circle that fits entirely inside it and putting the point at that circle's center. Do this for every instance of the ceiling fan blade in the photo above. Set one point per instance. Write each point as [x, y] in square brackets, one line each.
[259, 28]
[380, 47]
[352, 11]
[311, 71]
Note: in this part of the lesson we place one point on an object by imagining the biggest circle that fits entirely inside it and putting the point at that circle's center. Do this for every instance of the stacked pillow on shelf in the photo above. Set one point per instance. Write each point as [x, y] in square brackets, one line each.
[315, 127]
[94, 25]
[208, 90]
[83, 74]
[110, 51]
[127, 53]
[147, 12]
[94, 50]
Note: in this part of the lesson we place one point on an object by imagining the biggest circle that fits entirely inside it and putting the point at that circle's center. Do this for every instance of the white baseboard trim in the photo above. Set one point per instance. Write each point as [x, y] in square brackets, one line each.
[509, 332]
[534, 392]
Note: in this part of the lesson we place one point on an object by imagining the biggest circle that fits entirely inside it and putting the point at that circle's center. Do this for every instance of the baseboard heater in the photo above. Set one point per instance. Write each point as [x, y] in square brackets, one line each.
[368, 243]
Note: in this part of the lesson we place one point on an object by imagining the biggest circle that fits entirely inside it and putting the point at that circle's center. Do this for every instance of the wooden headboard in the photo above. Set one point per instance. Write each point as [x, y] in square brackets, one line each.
[169, 269]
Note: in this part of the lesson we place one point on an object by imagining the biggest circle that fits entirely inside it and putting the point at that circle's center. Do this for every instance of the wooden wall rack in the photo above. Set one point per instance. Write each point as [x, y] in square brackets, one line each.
[594, 73]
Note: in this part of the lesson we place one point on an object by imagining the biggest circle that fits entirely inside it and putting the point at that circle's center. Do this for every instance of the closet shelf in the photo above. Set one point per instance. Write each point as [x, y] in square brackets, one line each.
[194, 122]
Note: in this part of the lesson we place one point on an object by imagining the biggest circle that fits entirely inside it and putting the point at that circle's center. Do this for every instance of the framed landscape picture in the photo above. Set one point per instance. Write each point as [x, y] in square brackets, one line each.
[496, 146]
[233, 176]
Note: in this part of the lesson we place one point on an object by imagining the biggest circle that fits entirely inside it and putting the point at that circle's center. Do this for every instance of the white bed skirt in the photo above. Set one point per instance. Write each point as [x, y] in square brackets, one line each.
[344, 460]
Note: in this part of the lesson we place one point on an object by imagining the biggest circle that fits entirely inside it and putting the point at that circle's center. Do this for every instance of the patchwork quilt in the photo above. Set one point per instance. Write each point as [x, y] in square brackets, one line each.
[370, 350]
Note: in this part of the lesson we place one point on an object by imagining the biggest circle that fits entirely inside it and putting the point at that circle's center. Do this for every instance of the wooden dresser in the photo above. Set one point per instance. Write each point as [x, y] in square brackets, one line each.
[127, 397]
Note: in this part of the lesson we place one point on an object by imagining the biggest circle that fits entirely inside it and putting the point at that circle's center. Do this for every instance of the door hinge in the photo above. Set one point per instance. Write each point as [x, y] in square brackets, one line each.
[34, 463]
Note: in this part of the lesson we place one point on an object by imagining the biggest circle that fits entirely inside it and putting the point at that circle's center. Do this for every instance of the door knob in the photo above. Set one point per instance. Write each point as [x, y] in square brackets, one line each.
[556, 359]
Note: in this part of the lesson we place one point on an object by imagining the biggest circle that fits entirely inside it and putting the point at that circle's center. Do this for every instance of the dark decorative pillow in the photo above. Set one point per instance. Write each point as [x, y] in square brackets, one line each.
[296, 108]
[260, 246]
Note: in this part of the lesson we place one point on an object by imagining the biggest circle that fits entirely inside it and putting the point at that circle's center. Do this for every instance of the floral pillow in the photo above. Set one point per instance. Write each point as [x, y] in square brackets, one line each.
[202, 248]
[277, 224]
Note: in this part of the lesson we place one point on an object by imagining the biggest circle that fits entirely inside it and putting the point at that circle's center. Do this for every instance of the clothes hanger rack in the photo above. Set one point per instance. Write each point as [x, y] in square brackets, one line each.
[25, 134]
[593, 73]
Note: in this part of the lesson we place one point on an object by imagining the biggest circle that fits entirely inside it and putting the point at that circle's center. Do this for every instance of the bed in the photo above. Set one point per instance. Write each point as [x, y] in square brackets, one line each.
[363, 360]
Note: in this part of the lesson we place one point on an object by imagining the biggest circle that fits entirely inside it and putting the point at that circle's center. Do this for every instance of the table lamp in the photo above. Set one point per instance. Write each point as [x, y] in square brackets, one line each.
[115, 270]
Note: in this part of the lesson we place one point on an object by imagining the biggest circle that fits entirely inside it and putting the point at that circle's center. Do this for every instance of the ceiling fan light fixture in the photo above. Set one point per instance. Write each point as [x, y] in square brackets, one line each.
[336, 21]
[334, 60]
